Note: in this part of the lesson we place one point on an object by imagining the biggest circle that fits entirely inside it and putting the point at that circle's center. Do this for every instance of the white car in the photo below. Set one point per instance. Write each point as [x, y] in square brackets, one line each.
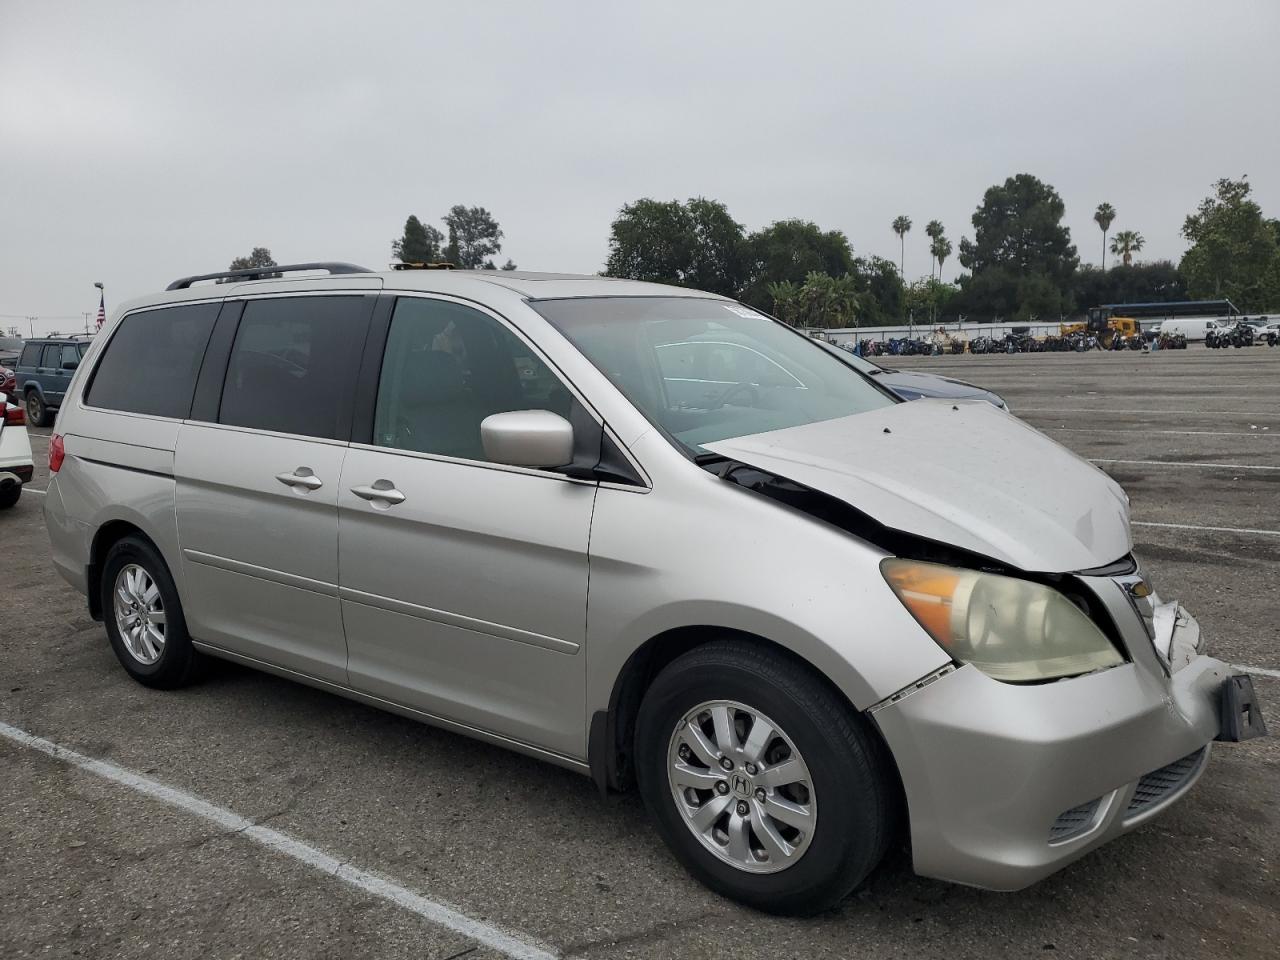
[1266, 332]
[15, 453]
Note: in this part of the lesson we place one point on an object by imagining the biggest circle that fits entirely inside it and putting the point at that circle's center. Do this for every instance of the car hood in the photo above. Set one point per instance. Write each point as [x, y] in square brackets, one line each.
[931, 385]
[963, 473]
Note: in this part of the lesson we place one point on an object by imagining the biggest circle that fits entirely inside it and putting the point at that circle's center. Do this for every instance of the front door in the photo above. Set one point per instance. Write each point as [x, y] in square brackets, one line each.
[257, 488]
[463, 582]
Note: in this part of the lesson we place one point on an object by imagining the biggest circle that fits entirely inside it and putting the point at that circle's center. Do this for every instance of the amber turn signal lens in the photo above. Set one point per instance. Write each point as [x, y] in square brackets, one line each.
[927, 591]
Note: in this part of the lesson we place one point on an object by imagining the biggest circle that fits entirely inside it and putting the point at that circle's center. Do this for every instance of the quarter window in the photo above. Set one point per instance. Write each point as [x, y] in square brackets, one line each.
[151, 363]
[446, 368]
[293, 364]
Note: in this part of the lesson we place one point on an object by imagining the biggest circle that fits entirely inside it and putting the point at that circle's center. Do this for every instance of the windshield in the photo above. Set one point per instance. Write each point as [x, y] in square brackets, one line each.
[705, 370]
[858, 363]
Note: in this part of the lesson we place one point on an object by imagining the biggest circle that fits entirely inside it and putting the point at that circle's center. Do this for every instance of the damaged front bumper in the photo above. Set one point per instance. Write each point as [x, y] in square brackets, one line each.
[1006, 784]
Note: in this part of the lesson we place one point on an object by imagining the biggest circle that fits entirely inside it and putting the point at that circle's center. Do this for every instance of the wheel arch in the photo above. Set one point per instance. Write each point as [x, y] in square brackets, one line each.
[612, 731]
[106, 537]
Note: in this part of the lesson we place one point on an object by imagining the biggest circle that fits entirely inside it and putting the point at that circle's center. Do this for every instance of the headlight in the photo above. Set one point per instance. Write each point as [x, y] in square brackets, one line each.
[1011, 630]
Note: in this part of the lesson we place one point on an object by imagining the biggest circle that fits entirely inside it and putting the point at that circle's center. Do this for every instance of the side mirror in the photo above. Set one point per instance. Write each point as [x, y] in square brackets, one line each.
[70, 364]
[527, 438]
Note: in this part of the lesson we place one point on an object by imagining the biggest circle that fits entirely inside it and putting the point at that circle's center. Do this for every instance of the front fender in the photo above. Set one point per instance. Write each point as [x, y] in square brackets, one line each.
[744, 563]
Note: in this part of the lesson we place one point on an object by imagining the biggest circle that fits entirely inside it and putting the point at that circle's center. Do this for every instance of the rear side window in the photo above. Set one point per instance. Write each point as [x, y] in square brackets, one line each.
[150, 365]
[30, 355]
[51, 355]
[293, 364]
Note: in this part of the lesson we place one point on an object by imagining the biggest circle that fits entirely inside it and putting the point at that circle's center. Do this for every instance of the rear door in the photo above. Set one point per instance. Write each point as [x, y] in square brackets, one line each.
[258, 478]
[463, 582]
[52, 384]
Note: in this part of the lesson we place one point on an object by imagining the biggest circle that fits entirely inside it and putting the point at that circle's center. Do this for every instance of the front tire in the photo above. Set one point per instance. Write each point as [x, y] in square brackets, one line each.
[37, 411]
[144, 619]
[763, 781]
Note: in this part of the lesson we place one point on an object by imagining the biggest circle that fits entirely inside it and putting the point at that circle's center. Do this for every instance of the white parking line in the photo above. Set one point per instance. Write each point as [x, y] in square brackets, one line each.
[1187, 463]
[1192, 526]
[1268, 435]
[35, 493]
[1260, 671]
[483, 933]
[1147, 410]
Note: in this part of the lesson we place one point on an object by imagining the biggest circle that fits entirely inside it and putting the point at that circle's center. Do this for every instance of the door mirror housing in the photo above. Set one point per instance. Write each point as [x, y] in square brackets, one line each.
[70, 364]
[527, 438]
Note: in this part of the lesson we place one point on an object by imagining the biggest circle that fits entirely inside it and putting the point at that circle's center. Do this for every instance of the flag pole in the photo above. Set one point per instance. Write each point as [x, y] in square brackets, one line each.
[102, 303]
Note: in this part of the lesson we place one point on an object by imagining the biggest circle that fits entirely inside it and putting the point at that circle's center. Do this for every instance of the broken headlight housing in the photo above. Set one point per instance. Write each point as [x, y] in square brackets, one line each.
[1013, 630]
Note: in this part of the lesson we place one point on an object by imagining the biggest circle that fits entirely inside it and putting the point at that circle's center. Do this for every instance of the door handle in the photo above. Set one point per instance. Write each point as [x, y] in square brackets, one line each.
[383, 490]
[300, 479]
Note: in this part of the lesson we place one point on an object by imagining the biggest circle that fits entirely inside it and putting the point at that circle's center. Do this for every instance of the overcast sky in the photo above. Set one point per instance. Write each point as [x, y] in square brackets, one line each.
[143, 141]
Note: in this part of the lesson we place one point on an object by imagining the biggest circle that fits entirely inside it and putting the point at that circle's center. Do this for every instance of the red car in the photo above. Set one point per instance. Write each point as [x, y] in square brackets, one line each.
[8, 383]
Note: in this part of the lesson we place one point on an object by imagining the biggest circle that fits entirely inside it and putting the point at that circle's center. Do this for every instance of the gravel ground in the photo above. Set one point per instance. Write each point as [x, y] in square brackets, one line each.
[93, 869]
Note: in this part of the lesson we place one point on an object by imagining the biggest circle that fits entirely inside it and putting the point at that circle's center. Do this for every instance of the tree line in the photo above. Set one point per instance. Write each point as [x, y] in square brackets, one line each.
[1020, 263]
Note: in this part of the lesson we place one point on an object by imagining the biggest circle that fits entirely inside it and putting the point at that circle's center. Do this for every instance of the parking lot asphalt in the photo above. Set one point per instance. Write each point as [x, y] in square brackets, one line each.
[94, 868]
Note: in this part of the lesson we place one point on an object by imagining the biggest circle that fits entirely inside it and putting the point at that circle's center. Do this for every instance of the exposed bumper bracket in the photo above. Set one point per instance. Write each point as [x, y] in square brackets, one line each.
[1241, 713]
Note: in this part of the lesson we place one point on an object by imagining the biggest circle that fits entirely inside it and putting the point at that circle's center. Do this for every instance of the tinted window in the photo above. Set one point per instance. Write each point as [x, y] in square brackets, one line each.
[49, 358]
[151, 363]
[445, 369]
[70, 354]
[30, 355]
[292, 364]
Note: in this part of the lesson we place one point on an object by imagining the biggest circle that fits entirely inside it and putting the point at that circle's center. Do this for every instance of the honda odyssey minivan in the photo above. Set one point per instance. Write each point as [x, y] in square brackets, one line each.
[653, 536]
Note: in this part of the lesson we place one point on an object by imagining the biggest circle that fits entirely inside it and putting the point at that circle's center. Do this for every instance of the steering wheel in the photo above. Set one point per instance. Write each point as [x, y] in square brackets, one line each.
[732, 391]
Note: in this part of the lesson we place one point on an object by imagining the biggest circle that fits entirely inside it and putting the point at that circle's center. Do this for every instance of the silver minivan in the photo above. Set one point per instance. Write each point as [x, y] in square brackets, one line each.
[653, 536]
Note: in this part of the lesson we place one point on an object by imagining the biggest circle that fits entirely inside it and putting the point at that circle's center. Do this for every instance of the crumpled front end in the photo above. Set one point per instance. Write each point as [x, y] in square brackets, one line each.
[1007, 783]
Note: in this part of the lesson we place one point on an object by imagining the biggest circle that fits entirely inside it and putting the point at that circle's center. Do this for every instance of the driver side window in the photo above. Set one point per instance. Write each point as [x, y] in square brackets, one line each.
[446, 367]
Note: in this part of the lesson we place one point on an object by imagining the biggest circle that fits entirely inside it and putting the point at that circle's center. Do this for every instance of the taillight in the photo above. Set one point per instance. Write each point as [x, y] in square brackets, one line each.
[56, 453]
[15, 416]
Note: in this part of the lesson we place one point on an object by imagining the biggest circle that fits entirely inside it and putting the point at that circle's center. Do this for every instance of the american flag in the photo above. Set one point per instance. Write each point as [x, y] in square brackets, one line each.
[102, 309]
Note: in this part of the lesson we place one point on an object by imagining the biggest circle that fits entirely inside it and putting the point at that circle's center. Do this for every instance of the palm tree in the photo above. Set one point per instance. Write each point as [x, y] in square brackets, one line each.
[941, 249]
[1126, 243]
[933, 230]
[900, 226]
[785, 296]
[1103, 217]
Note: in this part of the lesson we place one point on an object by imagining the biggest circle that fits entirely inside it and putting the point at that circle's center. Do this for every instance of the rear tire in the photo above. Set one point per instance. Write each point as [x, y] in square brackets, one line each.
[841, 790]
[37, 411]
[9, 498]
[143, 616]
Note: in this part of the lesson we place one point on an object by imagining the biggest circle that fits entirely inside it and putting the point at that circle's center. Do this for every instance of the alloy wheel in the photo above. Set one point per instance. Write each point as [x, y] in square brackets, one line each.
[741, 786]
[140, 614]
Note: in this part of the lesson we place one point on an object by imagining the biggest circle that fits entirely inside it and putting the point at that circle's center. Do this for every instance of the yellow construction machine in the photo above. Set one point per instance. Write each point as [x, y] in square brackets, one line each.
[1105, 325]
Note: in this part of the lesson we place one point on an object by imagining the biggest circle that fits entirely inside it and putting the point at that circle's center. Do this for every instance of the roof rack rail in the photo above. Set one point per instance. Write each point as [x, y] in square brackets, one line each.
[441, 265]
[261, 273]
